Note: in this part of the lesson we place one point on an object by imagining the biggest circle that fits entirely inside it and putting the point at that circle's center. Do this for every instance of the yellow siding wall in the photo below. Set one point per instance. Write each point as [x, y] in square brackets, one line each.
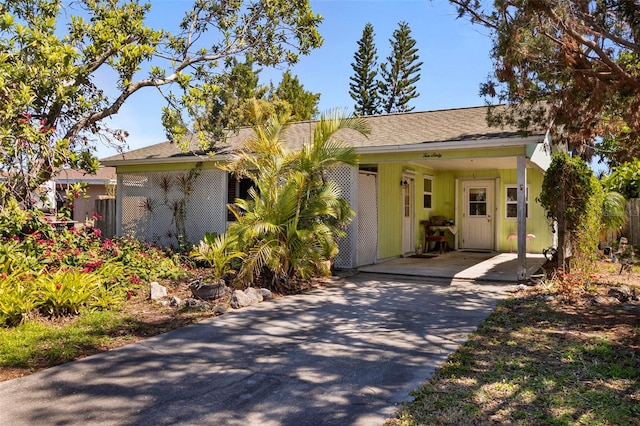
[537, 223]
[444, 203]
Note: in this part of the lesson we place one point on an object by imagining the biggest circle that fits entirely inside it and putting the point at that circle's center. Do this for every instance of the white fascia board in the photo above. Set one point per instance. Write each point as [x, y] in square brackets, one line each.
[453, 145]
[172, 160]
[87, 181]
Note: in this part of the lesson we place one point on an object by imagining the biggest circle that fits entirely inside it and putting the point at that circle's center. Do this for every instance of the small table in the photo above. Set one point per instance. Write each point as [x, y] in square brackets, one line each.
[59, 225]
[453, 229]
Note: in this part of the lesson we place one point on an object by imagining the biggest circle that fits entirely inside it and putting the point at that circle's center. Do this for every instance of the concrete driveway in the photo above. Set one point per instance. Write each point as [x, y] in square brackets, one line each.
[346, 354]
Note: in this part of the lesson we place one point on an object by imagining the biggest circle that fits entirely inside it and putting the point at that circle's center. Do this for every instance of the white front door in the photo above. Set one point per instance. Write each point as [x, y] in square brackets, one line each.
[477, 215]
[408, 214]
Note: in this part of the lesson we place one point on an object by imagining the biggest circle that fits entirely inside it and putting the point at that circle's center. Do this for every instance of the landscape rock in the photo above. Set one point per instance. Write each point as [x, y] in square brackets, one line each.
[191, 302]
[157, 291]
[219, 309]
[519, 287]
[239, 299]
[266, 293]
[254, 294]
[622, 293]
[248, 297]
[175, 302]
[605, 301]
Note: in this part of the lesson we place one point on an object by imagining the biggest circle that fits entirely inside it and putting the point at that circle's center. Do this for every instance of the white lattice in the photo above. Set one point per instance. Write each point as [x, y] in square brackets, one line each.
[367, 219]
[345, 177]
[148, 202]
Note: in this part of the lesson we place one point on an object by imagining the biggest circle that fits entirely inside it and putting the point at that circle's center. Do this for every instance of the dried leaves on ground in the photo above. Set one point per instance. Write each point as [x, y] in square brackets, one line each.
[563, 359]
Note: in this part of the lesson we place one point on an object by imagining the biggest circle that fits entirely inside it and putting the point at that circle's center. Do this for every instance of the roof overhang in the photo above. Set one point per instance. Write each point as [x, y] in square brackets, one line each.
[454, 145]
[426, 146]
[183, 159]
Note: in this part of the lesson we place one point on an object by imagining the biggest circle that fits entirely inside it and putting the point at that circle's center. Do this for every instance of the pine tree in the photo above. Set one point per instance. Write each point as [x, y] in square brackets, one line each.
[363, 88]
[303, 104]
[400, 74]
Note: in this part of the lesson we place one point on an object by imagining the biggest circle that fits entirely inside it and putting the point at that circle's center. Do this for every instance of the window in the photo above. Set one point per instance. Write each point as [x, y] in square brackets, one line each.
[477, 201]
[428, 192]
[512, 201]
[238, 188]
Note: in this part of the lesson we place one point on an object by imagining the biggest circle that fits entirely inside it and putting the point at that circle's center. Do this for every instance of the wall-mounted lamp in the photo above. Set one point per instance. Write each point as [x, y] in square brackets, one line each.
[404, 182]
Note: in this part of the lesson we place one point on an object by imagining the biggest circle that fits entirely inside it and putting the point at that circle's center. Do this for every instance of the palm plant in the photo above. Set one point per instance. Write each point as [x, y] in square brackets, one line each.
[614, 214]
[294, 215]
[218, 251]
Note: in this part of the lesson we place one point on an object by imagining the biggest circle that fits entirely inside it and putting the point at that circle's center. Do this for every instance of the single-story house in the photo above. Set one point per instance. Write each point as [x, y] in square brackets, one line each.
[99, 185]
[51, 195]
[448, 166]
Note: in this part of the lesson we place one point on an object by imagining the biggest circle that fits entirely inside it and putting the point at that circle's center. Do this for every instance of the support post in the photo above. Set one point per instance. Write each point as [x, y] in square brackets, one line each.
[522, 218]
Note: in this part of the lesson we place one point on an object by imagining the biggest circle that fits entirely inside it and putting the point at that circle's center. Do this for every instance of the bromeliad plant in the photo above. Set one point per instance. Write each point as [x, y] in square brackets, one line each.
[294, 214]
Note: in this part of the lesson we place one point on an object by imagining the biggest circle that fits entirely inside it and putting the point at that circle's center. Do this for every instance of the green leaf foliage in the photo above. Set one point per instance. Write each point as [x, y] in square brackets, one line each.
[303, 104]
[570, 66]
[218, 253]
[363, 87]
[62, 272]
[401, 72]
[625, 179]
[289, 225]
[574, 201]
[54, 56]
[566, 189]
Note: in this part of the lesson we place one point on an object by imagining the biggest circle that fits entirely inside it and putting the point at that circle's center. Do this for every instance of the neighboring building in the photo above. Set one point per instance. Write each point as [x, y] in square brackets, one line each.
[100, 184]
[439, 164]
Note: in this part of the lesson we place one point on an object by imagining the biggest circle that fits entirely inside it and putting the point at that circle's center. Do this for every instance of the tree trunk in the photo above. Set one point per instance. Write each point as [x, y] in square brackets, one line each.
[564, 235]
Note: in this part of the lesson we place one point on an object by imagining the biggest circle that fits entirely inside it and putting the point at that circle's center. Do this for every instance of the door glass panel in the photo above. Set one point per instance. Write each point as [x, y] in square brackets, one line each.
[477, 201]
[407, 202]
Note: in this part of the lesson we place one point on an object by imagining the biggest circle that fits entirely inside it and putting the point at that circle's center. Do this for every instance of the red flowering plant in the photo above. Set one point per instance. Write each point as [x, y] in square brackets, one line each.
[59, 272]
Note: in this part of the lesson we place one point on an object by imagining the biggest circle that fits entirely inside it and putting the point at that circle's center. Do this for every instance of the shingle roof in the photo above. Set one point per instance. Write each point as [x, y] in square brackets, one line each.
[402, 129]
[103, 173]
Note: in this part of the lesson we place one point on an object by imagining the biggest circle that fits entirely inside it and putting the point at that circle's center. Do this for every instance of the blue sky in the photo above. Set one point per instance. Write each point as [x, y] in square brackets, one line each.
[455, 55]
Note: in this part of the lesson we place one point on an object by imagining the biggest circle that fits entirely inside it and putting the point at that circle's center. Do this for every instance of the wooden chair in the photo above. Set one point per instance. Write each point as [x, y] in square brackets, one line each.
[432, 236]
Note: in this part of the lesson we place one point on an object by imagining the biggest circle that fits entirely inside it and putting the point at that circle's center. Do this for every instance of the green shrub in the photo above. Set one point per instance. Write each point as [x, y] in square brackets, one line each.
[59, 273]
[65, 292]
[625, 179]
[18, 298]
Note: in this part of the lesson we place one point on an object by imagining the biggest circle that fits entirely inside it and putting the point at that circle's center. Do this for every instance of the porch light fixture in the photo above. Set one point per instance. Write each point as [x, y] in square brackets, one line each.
[404, 182]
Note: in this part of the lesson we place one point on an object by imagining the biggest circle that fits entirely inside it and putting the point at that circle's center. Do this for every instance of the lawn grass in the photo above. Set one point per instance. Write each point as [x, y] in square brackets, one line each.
[38, 343]
[536, 361]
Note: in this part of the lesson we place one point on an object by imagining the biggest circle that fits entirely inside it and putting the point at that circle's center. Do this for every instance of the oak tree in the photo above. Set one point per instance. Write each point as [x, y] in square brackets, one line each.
[571, 65]
[55, 57]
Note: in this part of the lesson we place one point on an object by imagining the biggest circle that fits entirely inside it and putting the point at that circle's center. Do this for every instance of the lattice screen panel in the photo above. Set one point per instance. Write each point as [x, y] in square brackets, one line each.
[367, 218]
[150, 205]
[344, 177]
[207, 210]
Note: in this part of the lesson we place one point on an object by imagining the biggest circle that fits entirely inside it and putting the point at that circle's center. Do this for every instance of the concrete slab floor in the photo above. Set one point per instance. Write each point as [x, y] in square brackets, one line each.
[468, 265]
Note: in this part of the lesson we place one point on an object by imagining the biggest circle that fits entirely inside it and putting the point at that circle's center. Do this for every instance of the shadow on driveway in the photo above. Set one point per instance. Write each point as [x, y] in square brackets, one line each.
[345, 354]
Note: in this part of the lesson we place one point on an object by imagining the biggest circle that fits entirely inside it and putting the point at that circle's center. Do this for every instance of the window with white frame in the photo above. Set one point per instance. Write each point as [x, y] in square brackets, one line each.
[511, 199]
[428, 192]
